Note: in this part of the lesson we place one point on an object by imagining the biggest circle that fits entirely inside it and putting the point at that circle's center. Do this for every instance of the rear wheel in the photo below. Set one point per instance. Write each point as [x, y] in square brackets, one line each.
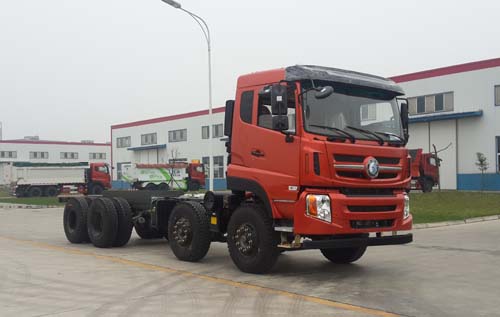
[151, 186]
[125, 224]
[344, 255]
[163, 186]
[51, 191]
[96, 189]
[75, 220]
[193, 185]
[189, 231]
[427, 185]
[145, 231]
[251, 239]
[102, 222]
[35, 191]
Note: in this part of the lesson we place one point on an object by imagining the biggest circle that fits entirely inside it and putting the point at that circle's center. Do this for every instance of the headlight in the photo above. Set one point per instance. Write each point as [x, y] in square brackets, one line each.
[406, 208]
[319, 206]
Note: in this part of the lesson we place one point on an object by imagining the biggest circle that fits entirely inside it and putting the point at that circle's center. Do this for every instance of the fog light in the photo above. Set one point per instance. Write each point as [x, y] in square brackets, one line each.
[318, 206]
[406, 208]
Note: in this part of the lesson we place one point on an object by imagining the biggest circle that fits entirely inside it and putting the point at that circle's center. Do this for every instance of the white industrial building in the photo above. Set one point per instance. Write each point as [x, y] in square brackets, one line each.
[34, 150]
[457, 107]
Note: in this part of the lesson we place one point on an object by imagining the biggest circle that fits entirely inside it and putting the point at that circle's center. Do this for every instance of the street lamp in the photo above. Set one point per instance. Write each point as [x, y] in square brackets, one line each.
[206, 32]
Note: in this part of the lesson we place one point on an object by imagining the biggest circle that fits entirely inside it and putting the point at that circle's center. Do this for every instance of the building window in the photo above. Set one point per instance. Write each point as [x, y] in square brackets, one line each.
[149, 138]
[97, 156]
[246, 105]
[439, 102]
[420, 104]
[69, 155]
[8, 154]
[123, 142]
[218, 166]
[431, 103]
[206, 165]
[217, 130]
[177, 135]
[368, 112]
[205, 132]
[39, 155]
[498, 153]
[497, 95]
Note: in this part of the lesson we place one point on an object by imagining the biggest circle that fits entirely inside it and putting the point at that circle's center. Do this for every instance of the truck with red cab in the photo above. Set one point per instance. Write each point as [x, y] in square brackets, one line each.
[316, 160]
[424, 170]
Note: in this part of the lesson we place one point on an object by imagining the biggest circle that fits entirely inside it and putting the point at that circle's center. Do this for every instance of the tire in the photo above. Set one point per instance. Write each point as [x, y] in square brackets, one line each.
[96, 189]
[75, 220]
[102, 222]
[345, 255]
[51, 191]
[427, 185]
[125, 223]
[193, 185]
[151, 186]
[189, 231]
[35, 191]
[146, 232]
[251, 239]
[163, 186]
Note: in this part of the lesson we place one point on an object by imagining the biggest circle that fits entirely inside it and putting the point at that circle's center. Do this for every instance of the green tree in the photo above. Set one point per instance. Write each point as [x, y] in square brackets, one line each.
[482, 164]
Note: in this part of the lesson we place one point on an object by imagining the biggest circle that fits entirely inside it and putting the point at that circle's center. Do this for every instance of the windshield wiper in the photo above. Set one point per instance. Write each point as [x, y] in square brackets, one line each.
[351, 137]
[389, 134]
[367, 132]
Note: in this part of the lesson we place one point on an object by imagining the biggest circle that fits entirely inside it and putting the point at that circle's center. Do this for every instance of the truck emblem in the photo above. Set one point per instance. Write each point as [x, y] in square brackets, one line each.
[372, 167]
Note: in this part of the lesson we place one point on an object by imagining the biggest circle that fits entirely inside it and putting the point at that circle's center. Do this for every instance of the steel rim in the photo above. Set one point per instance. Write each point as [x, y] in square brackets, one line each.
[182, 232]
[246, 239]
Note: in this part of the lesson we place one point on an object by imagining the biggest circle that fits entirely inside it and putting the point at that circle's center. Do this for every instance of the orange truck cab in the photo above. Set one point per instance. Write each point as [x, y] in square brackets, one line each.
[321, 152]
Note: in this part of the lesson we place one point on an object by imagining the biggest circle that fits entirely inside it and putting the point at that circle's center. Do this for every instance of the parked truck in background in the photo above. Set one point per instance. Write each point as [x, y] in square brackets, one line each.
[180, 175]
[48, 179]
[424, 170]
[316, 160]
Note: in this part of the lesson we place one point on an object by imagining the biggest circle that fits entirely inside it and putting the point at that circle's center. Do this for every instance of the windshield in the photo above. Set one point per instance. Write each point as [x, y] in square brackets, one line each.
[363, 112]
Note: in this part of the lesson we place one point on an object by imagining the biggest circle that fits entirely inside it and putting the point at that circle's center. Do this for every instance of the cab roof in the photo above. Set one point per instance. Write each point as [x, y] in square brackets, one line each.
[311, 72]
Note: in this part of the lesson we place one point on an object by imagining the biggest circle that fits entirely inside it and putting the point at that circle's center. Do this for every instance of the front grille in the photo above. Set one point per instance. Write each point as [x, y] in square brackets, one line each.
[360, 159]
[356, 192]
[371, 208]
[351, 174]
[387, 175]
[366, 224]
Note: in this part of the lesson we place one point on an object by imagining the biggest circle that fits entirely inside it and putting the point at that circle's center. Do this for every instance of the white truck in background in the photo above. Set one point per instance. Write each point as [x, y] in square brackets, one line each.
[48, 179]
[179, 175]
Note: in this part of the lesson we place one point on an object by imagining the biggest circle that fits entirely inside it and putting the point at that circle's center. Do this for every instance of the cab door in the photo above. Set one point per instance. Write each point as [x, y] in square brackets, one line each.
[270, 157]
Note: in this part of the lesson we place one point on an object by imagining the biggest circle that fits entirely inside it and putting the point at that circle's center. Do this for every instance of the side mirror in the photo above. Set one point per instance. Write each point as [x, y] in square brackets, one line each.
[324, 92]
[404, 119]
[228, 118]
[280, 123]
[279, 99]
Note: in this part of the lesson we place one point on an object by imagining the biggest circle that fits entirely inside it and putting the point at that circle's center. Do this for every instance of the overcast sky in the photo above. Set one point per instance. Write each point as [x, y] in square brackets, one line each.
[70, 69]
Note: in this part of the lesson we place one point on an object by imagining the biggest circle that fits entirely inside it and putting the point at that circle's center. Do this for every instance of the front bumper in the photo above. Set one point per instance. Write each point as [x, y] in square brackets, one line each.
[353, 214]
[357, 242]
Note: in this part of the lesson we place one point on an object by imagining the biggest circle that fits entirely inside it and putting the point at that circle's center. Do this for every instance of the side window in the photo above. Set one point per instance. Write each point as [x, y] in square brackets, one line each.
[264, 114]
[246, 106]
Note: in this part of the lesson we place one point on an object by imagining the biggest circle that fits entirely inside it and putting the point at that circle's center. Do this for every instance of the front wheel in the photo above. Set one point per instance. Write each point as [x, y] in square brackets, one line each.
[344, 255]
[251, 239]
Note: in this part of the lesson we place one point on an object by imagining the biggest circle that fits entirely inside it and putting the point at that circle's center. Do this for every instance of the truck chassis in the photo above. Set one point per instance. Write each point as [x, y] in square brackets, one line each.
[192, 222]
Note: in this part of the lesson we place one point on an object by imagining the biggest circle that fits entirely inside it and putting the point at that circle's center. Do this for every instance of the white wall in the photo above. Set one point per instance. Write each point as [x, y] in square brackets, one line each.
[194, 148]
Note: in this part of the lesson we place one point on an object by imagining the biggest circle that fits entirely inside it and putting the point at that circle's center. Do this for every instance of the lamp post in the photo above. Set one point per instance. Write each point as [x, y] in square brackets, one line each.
[206, 32]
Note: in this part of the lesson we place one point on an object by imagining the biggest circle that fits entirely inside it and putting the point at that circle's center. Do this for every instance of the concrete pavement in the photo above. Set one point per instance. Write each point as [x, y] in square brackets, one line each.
[448, 271]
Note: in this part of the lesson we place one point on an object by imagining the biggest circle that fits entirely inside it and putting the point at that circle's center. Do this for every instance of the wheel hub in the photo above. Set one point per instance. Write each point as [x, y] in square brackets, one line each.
[182, 231]
[245, 239]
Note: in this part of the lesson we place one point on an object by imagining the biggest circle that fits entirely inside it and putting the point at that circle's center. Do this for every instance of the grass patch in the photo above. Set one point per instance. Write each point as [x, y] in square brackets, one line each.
[453, 205]
[4, 193]
[33, 201]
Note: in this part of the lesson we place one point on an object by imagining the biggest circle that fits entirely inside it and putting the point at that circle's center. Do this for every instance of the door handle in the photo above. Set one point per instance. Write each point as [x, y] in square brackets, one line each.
[257, 153]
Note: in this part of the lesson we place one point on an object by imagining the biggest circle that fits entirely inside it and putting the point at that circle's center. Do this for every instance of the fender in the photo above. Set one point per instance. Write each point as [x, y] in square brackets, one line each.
[245, 184]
